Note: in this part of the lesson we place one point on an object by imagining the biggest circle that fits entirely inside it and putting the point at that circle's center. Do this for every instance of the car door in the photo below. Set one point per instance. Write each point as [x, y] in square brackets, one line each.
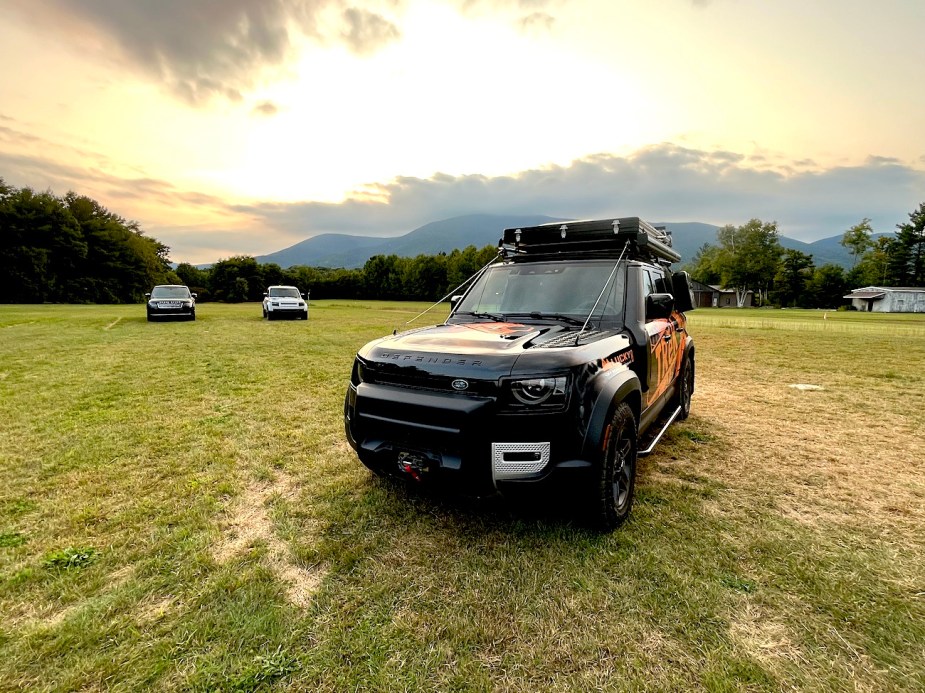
[663, 339]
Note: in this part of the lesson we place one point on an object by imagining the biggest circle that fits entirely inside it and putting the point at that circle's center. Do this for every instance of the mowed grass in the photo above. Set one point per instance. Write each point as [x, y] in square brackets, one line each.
[179, 511]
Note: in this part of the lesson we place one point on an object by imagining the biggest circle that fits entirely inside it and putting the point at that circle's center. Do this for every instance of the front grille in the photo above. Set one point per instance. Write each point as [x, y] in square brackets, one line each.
[413, 378]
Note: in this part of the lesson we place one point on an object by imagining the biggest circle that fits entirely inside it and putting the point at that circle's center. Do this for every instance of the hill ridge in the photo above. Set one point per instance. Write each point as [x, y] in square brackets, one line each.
[444, 235]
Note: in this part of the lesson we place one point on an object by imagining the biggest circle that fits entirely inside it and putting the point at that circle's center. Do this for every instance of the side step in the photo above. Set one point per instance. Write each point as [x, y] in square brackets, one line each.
[661, 432]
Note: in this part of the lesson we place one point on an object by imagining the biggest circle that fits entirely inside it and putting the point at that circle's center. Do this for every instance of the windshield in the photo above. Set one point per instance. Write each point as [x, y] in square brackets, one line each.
[564, 288]
[170, 292]
[284, 292]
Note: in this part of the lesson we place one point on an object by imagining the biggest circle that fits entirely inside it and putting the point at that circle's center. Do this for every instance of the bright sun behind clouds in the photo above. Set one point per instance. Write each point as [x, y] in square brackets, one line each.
[204, 133]
[455, 96]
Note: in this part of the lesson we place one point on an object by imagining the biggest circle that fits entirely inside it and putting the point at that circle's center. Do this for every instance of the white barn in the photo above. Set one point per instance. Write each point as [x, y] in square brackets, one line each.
[888, 299]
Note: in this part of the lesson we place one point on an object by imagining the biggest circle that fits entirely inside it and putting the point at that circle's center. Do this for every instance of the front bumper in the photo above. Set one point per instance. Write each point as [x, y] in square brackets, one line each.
[286, 312]
[155, 312]
[463, 441]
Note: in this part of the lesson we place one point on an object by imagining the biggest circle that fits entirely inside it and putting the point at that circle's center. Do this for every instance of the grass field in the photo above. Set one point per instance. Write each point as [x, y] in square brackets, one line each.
[179, 511]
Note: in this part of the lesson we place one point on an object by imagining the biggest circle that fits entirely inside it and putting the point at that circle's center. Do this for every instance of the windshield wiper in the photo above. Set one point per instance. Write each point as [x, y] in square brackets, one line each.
[537, 315]
[490, 316]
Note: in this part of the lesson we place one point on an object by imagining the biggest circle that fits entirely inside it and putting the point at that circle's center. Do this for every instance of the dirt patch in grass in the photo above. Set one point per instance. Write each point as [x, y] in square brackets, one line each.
[153, 610]
[249, 525]
[847, 454]
[762, 637]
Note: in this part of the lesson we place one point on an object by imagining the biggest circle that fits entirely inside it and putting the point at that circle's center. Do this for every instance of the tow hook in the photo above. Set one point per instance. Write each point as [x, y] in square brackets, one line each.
[414, 465]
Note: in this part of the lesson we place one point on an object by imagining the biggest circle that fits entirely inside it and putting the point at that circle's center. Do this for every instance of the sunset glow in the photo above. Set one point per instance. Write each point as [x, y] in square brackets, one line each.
[221, 143]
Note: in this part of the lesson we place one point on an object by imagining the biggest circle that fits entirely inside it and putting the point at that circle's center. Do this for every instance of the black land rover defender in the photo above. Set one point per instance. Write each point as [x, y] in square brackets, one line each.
[561, 362]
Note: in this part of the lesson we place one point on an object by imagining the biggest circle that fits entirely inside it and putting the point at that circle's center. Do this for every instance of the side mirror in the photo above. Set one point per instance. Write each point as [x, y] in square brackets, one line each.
[683, 291]
[265, 294]
[147, 295]
[194, 294]
[303, 295]
[454, 300]
[659, 306]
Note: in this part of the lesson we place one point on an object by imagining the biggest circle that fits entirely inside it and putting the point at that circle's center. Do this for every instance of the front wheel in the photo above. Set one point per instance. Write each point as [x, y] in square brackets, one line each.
[616, 481]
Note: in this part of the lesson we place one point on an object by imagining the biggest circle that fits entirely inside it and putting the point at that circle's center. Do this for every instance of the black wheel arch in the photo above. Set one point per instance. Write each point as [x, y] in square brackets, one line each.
[624, 387]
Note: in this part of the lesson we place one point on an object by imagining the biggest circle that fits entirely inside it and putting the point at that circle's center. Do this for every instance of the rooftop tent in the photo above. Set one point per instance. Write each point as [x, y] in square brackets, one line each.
[605, 237]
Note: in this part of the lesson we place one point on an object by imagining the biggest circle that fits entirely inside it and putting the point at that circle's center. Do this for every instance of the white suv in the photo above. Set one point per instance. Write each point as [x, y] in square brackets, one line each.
[284, 302]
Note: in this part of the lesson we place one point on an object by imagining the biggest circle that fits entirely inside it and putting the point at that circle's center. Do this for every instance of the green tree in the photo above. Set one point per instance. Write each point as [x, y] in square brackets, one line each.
[874, 267]
[704, 266]
[121, 263]
[748, 257]
[793, 274]
[425, 278]
[223, 284]
[382, 277]
[907, 263]
[827, 287]
[857, 240]
[196, 279]
[41, 248]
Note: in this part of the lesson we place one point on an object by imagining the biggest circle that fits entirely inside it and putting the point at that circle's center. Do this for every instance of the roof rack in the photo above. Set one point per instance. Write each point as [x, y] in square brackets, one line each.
[600, 237]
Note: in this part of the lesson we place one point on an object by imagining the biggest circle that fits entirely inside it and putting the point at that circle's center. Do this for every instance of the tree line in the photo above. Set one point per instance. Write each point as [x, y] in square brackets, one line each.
[385, 277]
[71, 249]
[750, 258]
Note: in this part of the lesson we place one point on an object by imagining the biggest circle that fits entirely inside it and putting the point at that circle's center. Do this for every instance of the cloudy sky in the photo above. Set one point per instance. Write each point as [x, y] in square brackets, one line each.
[243, 126]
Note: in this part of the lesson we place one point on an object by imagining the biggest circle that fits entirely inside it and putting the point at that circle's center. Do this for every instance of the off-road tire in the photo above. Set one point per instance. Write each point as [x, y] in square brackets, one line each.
[685, 389]
[616, 482]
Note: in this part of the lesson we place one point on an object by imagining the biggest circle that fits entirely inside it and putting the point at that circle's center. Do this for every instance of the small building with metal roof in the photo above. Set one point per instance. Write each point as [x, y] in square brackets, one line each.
[888, 299]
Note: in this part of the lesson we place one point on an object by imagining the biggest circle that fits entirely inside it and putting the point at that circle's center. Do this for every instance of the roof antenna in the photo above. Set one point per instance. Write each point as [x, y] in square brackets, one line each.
[616, 224]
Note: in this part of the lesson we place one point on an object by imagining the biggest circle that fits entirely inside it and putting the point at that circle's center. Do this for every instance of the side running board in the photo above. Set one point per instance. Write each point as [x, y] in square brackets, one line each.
[648, 450]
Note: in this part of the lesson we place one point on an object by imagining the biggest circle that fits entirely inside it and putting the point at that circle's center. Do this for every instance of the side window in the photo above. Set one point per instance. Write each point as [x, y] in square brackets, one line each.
[661, 283]
[648, 283]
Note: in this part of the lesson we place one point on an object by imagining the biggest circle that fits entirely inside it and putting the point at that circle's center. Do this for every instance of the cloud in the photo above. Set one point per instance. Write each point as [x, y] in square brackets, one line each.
[265, 108]
[663, 182]
[537, 21]
[527, 15]
[202, 49]
[366, 31]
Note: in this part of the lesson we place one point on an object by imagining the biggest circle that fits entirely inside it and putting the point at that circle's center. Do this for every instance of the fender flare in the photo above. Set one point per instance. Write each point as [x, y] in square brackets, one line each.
[624, 386]
[689, 351]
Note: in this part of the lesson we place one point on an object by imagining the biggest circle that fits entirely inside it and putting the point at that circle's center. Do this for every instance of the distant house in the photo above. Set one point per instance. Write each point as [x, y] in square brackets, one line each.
[888, 299]
[703, 294]
[712, 296]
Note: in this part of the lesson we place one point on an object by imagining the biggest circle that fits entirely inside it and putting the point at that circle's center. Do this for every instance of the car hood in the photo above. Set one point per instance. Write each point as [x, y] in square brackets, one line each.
[476, 349]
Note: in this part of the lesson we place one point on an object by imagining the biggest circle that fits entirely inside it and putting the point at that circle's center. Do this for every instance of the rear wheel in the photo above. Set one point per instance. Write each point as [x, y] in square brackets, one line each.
[616, 483]
[685, 389]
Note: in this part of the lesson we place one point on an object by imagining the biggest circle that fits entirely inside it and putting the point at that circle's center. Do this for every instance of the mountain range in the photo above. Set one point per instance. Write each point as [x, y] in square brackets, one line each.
[349, 251]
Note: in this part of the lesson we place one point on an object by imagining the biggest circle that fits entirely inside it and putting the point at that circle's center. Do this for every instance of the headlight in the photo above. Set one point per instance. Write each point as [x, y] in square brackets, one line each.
[537, 391]
[358, 374]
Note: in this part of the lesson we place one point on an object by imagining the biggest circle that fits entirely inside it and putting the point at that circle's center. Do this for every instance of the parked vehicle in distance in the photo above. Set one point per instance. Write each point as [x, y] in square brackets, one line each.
[171, 301]
[558, 366]
[285, 302]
